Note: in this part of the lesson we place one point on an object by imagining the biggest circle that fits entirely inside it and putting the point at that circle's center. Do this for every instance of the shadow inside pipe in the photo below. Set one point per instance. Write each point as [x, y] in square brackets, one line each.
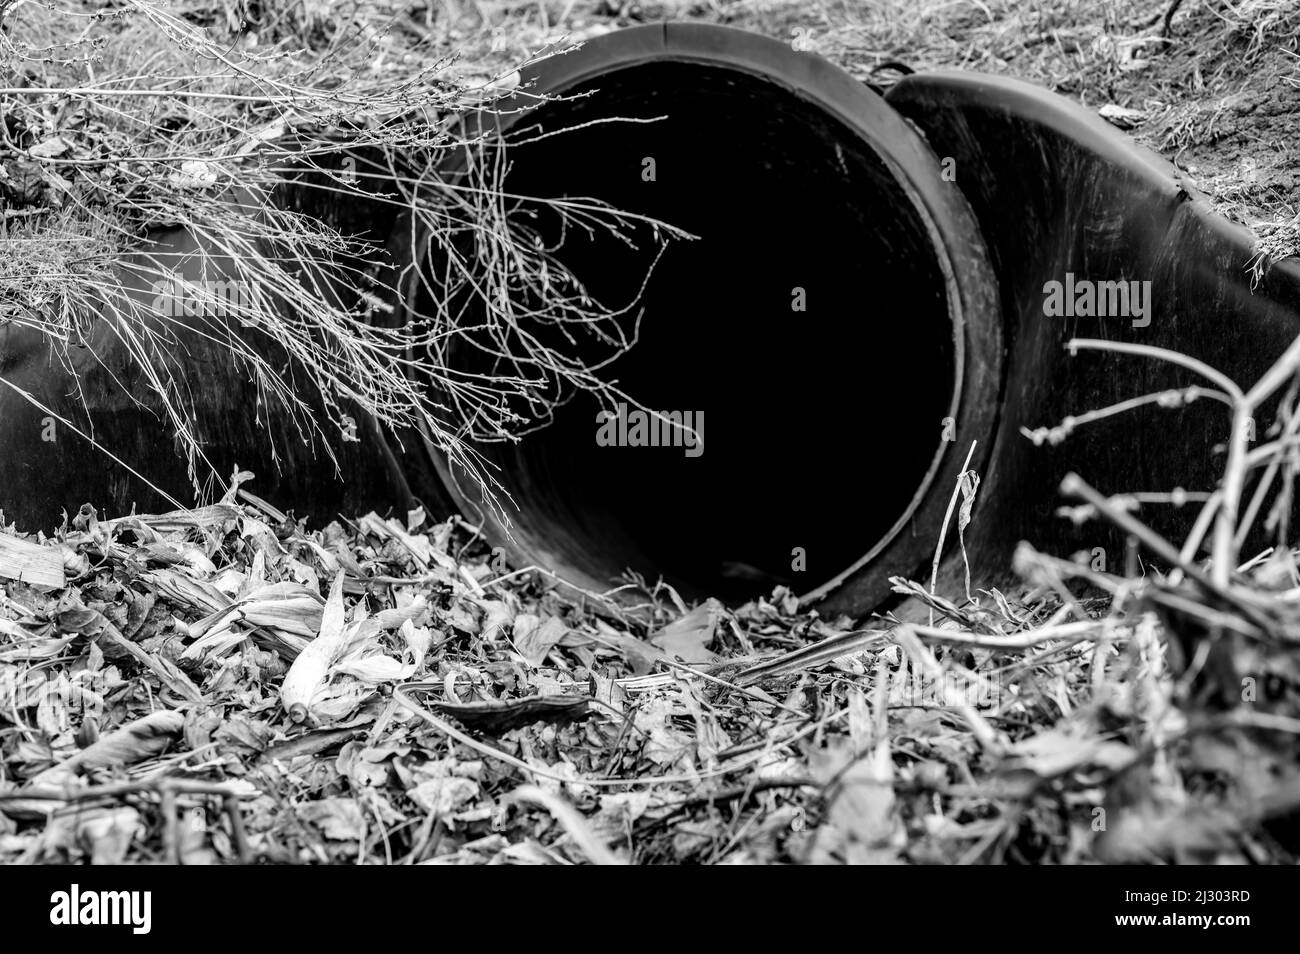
[819, 424]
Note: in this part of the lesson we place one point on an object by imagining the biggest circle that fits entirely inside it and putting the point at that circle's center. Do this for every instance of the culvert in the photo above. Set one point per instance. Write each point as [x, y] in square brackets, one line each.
[921, 228]
[833, 324]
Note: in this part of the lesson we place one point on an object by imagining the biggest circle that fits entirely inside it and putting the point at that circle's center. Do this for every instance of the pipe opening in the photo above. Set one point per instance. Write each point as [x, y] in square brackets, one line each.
[809, 442]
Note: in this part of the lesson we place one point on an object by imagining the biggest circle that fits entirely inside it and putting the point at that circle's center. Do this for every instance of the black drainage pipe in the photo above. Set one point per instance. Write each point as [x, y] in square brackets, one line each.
[824, 418]
[921, 228]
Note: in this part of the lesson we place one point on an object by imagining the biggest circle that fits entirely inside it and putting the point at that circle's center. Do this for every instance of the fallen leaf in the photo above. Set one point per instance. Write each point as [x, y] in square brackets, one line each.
[338, 818]
[537, 637]
[687, 638]
[50, 148]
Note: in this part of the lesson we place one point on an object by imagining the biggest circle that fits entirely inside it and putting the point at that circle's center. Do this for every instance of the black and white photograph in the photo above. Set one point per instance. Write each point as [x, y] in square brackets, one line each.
[679, 432]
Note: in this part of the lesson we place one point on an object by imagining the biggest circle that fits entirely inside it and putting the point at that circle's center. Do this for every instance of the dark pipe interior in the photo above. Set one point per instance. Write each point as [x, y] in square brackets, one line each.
[820, 426]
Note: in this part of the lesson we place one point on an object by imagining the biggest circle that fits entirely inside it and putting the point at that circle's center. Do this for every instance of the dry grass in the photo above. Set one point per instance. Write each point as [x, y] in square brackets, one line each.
[149, 116]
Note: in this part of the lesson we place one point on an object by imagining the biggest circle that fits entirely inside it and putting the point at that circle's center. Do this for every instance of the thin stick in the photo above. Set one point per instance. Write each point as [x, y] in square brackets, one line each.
[947, 518]
[1073, 632]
